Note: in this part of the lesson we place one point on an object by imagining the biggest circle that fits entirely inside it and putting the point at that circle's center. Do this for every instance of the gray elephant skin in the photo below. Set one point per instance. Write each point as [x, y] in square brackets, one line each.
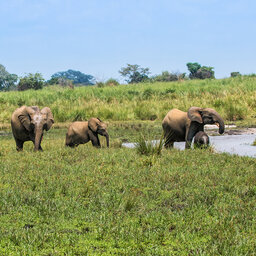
[201, 140]
[182, 126]
[81, 132]
[29, 123]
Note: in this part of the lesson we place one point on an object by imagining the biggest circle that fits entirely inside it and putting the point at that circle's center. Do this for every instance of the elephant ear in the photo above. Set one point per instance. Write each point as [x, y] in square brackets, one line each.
[194, 114]
[24, 117]
[93, 124]
[49, 115]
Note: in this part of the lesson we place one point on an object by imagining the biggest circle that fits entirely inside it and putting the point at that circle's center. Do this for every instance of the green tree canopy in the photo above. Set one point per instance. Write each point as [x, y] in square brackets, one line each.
[199, 72]
[31, 81]
[76, 77]
[134, 73]
[7, 80]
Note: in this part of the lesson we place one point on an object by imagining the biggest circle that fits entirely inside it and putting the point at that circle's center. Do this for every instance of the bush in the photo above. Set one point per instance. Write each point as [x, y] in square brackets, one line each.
[145, 147]
[198, 72]
[100, 84]
[167, 76]
[205, 72]
[111, 82]
[31, 81]
[148, 93]
[235, 74]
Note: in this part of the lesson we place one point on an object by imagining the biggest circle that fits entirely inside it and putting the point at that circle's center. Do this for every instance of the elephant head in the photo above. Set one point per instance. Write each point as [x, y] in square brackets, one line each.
[201, 140]
[35, 121]
[98, 127]
[206, 116]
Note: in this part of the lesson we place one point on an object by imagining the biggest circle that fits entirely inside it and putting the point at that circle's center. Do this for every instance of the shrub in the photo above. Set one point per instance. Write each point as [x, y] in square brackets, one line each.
[111, 82]
[198, 72]
[166, 76]
[31, 81]
[235, 74]
[100, 84]
[65, 82]
[148, 93]
[205, 72]
[145, 147]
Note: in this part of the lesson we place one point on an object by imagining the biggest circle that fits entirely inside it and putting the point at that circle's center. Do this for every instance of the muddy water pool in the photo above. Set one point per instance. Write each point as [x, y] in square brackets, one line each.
[233, 144]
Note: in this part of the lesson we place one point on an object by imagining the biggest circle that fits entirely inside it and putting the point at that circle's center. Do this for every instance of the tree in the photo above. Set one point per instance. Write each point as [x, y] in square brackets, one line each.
[205, 72]
[7, 80]
[134, 73]
[31, 81]
[198, 72]
[76, 77]
[193, 68]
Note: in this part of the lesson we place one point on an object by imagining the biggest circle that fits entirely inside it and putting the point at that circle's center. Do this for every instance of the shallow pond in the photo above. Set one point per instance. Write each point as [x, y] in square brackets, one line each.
[233, 144]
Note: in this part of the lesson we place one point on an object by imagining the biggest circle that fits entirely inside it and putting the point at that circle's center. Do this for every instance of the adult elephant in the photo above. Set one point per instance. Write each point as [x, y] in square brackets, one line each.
[182, 126]
[81, 132]
[29, 123]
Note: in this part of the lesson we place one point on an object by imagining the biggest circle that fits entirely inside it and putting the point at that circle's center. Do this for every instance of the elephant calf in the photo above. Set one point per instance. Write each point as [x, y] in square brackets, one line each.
[201, 140]
[82, 132]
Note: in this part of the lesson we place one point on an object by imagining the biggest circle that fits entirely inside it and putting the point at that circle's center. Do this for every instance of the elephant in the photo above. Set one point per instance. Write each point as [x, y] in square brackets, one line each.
[29, 123]
[182, 126]
[201, 140]
[81, 132]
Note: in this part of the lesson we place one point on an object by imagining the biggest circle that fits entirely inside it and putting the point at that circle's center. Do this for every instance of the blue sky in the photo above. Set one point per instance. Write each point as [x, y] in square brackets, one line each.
[98, 37]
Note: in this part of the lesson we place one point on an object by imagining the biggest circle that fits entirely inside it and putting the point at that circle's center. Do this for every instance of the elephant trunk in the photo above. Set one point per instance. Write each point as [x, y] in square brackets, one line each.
[38, 138]
[221, 125]
[107, 139]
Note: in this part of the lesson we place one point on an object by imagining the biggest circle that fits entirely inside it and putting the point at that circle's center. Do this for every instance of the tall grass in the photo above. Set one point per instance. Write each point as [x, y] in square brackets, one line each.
[233, 98]
[147, 147]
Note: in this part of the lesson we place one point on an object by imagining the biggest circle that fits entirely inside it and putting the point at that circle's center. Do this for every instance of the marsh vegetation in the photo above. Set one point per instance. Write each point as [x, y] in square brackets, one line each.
[89, 201]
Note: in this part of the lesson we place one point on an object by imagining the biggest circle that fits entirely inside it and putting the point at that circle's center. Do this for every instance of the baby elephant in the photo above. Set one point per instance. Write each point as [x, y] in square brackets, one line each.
[82, 132]
[201, 140]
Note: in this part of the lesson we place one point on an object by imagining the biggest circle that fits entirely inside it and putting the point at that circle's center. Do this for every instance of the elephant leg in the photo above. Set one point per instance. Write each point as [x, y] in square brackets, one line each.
[19, 144]
[169, 145]
[71, 145]
[95, 141]
[169, 139]
[191, 132]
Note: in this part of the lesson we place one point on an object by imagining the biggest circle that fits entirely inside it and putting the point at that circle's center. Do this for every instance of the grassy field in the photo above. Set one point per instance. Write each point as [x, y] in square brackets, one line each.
[88, 201]
[115, 201]
[234, 99]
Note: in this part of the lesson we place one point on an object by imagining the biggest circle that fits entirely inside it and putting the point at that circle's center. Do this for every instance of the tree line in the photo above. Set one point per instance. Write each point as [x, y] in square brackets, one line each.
[131, 74]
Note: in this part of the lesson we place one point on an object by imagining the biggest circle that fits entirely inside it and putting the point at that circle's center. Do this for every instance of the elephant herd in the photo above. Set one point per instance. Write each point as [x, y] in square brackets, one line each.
[29, 123]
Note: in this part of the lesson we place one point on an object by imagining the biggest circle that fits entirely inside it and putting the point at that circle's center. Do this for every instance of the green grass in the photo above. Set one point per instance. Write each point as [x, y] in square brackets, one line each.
[233, 98]
[119, 201]
[88, 201]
